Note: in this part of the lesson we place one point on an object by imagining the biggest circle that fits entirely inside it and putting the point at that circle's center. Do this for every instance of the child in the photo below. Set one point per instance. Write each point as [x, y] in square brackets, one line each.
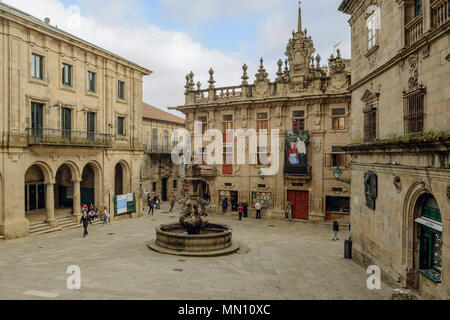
[240, 210]
[335, 230]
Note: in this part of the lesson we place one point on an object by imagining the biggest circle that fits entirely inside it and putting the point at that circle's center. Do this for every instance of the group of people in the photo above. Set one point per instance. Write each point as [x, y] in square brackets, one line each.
[89, 214]
[242, 209]
[154, 203]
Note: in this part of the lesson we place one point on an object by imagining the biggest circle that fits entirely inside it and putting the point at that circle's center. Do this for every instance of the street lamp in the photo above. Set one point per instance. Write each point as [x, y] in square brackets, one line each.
[337, 172]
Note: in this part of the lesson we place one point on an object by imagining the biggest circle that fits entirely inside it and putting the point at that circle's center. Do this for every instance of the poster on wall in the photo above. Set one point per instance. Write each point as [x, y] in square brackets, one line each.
[296, 146]
[122, 204]
[265, 198]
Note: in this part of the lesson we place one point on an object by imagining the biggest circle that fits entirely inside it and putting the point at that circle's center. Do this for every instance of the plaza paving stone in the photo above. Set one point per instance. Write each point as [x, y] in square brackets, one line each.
[286, 260]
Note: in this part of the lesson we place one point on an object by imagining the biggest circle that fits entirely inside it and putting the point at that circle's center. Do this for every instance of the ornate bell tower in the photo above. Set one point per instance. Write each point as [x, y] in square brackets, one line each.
[300, 50]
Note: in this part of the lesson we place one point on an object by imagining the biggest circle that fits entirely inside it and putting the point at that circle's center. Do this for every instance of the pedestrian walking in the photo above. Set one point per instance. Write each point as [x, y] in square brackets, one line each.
[85, 221]
[172, 204]
[335, 230]
[158, 204]
[289, 210]
[245, 205]
[106, 216]
[258, 208]
[240, 211]
[224, 205]
[150, 203]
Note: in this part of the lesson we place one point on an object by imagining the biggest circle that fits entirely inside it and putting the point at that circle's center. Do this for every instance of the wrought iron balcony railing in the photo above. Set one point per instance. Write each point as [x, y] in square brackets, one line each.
[58, 137]
[165, 148]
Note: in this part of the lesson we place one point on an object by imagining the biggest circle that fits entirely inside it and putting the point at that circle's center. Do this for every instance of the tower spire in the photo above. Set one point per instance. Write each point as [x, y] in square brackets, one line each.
[299, 16]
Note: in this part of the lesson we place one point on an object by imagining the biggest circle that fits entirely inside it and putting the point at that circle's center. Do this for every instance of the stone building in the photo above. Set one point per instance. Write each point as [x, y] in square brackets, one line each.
[400, 118]
[310, 104]
[70, 123]
[159, 175]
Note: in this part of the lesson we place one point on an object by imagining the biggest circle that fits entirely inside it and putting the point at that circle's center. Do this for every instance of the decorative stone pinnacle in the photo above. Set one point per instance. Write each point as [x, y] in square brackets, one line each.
[187, 82]
[199, 86]
[211, 79]
[280, 71]
[338, 53]
[262, 74]
[318, 58]
[191, 81]
[245, 76]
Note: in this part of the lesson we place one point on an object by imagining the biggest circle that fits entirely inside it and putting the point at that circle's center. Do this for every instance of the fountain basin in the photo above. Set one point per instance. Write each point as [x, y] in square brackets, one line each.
[213, 240]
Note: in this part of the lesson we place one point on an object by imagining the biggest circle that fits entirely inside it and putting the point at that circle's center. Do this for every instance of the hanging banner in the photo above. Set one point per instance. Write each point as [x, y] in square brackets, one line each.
[296, 158]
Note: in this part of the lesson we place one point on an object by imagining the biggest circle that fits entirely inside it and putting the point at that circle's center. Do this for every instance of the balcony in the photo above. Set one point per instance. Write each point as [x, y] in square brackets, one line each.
[414, 30]
[201, 171]
[57, 137]
[440, 13]
[298, 172]
[159, 149]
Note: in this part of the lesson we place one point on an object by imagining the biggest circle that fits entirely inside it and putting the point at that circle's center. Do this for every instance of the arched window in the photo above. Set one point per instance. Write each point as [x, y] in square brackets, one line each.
[430, 237]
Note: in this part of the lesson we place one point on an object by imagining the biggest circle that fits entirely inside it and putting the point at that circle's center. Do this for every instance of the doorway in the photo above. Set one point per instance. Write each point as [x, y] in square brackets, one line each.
[300, 204]
[234, 197]
[164, 190]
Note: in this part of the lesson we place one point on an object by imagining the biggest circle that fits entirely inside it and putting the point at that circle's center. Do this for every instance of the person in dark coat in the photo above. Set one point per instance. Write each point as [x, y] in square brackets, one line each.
[151, 207]
[224, 205]
[335, 230]
[85, 220]
[245, 205]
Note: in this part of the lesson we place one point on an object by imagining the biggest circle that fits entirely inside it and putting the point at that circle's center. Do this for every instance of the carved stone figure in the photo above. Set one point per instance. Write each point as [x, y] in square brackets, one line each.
[370, 188]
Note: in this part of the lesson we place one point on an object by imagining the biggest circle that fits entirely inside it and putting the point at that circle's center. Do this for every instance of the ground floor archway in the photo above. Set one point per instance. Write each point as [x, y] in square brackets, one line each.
[121, 178]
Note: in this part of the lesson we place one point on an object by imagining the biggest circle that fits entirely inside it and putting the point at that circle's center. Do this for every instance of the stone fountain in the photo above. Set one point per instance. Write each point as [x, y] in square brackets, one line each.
[194, 235]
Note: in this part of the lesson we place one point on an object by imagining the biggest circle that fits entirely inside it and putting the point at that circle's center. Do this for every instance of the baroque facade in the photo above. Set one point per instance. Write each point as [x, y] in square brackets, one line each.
[159, 175]
[400, 146]
[310, 105]
[70, 123]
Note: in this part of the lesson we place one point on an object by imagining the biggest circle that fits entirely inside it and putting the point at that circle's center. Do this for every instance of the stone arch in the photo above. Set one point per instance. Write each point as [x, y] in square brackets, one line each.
[46, 170]
[122, 175]
[94, 182]
[37, 178]
[412, 209]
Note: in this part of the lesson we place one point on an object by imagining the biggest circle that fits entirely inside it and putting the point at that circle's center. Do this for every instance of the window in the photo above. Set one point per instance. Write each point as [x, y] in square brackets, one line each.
[66, 75]
[228, 155]
[370, 123]
[66, 122]
[371, 32]
[413, 111]
[121, 90]
[37, 66]
[262, 122]
[338, 119]
[91, 78]
[175, 184]
[298, 121]
[155, 139]
[154, 187]
[120, 126]
[166, 141]
[335, 160]
[204, 121]
[91, 125]
[227, 124]
[263, 156]
[154, 162]
[417, 7]
[37, 121]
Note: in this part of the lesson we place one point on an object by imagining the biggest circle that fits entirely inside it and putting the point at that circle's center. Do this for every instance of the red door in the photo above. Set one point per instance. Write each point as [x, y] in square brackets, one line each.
[300, 204]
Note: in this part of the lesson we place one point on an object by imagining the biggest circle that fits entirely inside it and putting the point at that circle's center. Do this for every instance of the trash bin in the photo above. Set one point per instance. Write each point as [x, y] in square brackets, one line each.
[348, 248]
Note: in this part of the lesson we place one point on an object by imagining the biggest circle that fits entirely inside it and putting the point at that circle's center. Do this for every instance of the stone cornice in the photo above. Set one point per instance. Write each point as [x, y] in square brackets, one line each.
[389, 146]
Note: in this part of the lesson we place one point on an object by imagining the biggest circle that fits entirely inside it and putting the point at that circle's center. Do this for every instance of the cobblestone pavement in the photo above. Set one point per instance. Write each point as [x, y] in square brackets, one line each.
[285, 261]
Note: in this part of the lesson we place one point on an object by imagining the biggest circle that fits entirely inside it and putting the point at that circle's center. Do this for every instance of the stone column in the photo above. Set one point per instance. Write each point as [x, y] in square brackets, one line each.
[76, 199]
[50, 204]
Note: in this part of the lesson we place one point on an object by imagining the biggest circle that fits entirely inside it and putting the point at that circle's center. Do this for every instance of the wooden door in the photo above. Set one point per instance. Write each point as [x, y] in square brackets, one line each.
[300, 204]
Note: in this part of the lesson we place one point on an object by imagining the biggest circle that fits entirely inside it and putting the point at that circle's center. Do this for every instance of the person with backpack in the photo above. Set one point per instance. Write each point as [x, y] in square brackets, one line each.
[335, 230]
[85, 220]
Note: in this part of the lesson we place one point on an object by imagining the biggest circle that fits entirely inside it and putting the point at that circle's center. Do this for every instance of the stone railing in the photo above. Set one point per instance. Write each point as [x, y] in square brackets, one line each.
[413, 30]
[440, 12]
[225, 93]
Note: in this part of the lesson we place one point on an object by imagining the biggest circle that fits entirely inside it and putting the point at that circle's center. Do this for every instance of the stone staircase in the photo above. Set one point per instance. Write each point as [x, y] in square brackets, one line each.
[70, 223]
[41, 227]
[64, 224]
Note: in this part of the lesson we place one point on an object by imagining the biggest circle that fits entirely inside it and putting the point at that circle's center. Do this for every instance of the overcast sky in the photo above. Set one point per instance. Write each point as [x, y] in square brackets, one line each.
[173, 37]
